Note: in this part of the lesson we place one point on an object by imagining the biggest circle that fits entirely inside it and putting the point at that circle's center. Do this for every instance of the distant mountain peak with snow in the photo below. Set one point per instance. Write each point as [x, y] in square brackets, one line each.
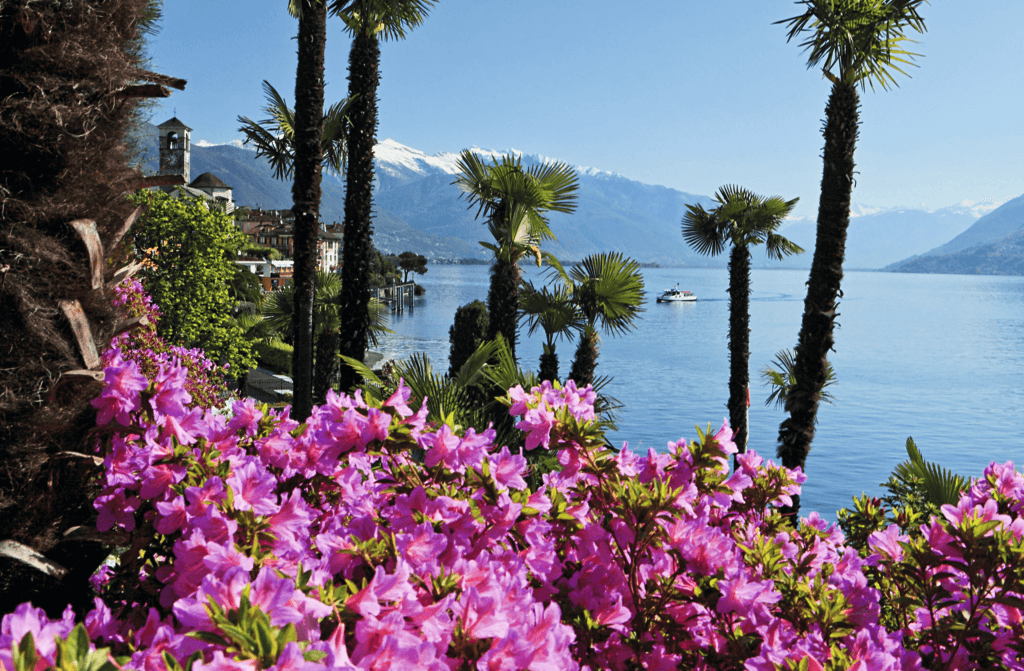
[397, 160]
[976, 208]
[234, 143]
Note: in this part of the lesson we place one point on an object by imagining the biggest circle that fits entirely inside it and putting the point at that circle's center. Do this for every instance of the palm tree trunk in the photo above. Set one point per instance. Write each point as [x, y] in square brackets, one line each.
[503, 302]
[823, 287]
[739, 343]
[585, 363]
[363, 76]
[548, 363]
[326, 366]
[309, 112]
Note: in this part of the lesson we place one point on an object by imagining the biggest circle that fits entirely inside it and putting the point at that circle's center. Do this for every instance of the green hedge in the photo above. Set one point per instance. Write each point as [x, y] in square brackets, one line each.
[277, 356]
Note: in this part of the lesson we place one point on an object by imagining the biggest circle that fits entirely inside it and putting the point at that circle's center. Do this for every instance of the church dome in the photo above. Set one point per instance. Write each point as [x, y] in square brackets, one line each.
[208, 180]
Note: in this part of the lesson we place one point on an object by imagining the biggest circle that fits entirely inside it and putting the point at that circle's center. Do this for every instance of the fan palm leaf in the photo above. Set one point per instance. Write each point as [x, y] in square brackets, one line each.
[383, 19]
[274, 137]
[858, 41]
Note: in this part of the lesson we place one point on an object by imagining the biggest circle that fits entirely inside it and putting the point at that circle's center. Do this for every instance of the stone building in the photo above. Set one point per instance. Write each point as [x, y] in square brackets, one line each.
[176, 159]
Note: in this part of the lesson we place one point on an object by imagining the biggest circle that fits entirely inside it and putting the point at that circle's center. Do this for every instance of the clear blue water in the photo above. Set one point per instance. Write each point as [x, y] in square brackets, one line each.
[936, 357]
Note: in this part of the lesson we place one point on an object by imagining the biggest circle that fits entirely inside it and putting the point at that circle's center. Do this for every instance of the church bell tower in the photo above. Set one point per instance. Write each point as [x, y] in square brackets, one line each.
[175, 148]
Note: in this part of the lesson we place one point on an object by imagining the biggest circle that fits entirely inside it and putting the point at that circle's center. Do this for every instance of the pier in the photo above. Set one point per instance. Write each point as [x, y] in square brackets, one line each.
[396, 296]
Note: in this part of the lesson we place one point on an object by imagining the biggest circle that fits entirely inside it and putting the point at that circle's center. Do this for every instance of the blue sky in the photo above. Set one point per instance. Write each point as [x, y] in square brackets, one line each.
[690, 94]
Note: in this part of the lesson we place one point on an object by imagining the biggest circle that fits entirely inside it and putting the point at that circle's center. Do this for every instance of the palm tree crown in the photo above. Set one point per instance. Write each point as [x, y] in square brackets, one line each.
[383, 19]
[274, 137]
[857, 40]
[515, 202]
[742, 218]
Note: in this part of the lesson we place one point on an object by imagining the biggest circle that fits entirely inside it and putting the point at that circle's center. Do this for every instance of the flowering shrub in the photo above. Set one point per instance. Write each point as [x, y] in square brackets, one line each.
[954, 584]
[204, 380]
[254, 542]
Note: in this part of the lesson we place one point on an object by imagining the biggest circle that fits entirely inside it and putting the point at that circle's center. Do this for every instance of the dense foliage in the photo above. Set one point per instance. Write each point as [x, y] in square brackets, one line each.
[466, 334]
[189, 248]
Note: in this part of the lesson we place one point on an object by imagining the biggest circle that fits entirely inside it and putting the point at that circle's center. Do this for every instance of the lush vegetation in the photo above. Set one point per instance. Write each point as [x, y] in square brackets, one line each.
[189, 250]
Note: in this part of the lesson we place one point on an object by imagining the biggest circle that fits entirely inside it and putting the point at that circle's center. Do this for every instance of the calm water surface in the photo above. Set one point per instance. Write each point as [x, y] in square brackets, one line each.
[936, 357]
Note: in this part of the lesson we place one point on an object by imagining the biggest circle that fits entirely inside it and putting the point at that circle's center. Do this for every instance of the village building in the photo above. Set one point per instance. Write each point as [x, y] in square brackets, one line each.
[176, 160]
[266, 228]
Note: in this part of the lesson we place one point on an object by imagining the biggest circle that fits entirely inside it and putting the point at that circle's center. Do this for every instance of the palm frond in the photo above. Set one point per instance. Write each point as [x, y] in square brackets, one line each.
[609, 290]
[385, 19]
[274, 137]
[857, 40]
[703, 231]
[939, 485]
[471, 371]
[780, 377]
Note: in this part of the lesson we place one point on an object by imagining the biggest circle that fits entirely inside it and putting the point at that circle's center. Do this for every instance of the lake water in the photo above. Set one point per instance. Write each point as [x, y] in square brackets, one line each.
[936, 357]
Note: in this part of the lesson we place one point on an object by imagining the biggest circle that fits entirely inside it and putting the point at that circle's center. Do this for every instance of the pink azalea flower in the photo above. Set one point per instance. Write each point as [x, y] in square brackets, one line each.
[122, 384]
[888, 542]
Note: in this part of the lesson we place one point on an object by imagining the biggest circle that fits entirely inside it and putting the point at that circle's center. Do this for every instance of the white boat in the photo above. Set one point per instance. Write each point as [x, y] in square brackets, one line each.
[675, 295]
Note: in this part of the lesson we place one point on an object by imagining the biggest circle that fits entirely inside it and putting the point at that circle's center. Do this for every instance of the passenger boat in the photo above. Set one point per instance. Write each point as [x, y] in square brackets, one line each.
[674, 295]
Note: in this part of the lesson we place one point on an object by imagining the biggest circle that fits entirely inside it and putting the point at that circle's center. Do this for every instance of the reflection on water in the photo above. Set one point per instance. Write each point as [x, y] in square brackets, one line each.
[936, 357]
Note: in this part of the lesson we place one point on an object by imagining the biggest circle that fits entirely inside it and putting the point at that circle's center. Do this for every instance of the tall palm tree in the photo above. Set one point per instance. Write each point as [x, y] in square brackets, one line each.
[368, 21]
[854, 42]
[608, 290]
[514, 202]
[742, 219]
[553, 311]
[303, 137]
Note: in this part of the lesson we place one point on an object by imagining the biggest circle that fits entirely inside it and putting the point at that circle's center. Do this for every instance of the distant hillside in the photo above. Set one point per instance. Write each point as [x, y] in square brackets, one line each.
[877, 240]
[992, 246]
[1002, 257]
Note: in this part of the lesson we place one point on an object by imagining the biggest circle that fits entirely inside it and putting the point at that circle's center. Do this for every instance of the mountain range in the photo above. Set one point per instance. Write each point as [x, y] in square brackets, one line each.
[417, 208]
[993, 245]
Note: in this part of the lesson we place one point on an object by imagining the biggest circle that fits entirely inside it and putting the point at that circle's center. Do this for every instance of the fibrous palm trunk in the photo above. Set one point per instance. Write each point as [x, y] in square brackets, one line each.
[67, 99]
[309, 105]
[739, 343]
[823, 287]
[585, 362]
[364, 59]
[503, 302]
[548, 363]
[326, 366]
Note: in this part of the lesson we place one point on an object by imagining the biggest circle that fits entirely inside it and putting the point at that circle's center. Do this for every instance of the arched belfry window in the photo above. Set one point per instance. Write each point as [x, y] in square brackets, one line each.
[172, 140]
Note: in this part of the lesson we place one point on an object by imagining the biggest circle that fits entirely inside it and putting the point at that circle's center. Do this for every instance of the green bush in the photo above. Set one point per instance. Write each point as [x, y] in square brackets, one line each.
[275, 355]
[466, 334]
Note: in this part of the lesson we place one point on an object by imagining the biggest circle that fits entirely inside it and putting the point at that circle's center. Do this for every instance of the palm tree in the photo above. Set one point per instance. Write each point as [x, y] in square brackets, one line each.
[742, 219]
[607, 289]
[514, 202]
[278, 308]
[304, 136]
[554, 312]
[367, 21]
[854, 42]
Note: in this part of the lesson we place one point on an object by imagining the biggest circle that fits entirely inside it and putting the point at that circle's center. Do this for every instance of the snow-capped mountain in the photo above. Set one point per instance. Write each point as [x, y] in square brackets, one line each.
[417, 208]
